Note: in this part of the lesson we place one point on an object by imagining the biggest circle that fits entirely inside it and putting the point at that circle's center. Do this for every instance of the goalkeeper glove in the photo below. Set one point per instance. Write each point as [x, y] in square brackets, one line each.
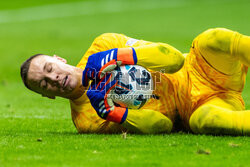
[102, 103]
[102, 62]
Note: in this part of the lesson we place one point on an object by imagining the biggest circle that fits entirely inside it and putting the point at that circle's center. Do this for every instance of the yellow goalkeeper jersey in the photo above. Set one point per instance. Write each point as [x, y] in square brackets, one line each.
[179, 93]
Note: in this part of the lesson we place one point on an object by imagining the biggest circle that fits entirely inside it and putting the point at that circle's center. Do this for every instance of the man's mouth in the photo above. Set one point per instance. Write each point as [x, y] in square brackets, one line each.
[65, 81]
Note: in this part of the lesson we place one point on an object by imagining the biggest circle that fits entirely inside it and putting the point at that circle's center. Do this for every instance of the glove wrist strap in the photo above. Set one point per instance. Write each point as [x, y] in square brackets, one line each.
[127, 56]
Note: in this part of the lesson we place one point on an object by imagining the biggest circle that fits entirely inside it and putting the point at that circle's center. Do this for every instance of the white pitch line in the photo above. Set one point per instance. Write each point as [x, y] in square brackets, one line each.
[34, 117]
[82, 8]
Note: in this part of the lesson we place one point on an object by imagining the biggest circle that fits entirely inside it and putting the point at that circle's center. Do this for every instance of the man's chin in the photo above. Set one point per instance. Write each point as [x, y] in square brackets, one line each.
[74, 93]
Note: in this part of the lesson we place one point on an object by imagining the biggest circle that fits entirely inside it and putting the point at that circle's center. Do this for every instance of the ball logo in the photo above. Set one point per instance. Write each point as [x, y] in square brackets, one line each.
[134, 86]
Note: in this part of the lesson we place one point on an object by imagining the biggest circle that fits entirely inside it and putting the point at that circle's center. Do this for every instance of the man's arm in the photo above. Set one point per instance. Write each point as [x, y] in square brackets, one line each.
[147, 122]
[140, 121]
[159, 57]
[154, 56]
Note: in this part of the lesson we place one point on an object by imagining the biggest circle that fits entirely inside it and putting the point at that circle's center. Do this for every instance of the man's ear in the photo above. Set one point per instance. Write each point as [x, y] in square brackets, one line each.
[61, 59]
[50, 97]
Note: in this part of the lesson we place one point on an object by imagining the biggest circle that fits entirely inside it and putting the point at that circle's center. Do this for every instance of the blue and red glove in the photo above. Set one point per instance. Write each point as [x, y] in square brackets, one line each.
[102, 62]
[104, 106]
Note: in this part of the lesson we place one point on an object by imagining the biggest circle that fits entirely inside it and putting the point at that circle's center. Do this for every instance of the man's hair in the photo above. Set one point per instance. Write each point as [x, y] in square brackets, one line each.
[25, 68]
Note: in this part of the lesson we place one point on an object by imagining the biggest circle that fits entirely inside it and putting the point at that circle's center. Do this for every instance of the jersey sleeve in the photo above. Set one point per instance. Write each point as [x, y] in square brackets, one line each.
[104, 42]
[147, 121]
[155, 56]
[159, 57]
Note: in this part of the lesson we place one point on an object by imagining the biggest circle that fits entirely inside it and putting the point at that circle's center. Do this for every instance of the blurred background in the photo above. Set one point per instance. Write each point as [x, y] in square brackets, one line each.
[67, 28]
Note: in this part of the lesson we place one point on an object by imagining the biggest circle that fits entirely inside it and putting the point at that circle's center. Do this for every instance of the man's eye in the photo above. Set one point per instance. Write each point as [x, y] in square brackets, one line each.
[49, 68]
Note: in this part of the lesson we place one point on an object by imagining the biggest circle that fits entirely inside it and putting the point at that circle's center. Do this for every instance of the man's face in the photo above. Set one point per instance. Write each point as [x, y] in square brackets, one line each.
[51, 76]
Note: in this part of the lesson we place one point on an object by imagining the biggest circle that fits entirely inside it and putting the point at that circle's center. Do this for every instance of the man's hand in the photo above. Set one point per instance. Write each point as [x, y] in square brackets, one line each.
[102, 62]
[104, 106]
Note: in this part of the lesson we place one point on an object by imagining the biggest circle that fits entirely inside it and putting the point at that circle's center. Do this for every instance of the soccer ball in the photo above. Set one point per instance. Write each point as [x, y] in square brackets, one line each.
[134, 88]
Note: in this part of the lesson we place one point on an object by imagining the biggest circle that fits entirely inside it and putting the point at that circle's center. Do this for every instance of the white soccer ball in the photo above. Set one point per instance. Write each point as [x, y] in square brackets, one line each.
[134, 88]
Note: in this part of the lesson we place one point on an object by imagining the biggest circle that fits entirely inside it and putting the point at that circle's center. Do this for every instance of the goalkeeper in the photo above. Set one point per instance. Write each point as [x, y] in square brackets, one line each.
[203, 94]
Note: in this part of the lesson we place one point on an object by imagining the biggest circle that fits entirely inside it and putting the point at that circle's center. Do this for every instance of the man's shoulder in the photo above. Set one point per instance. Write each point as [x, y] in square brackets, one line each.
[79, 101]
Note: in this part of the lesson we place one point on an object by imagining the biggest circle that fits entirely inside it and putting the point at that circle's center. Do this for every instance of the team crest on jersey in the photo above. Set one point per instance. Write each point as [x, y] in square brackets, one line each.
[131, 42]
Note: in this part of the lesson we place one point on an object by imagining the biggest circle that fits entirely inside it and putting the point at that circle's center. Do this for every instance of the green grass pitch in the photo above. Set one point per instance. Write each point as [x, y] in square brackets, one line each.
[36, 131]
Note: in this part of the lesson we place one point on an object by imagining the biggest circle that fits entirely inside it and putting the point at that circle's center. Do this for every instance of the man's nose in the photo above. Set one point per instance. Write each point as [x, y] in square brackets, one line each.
[53, 77]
